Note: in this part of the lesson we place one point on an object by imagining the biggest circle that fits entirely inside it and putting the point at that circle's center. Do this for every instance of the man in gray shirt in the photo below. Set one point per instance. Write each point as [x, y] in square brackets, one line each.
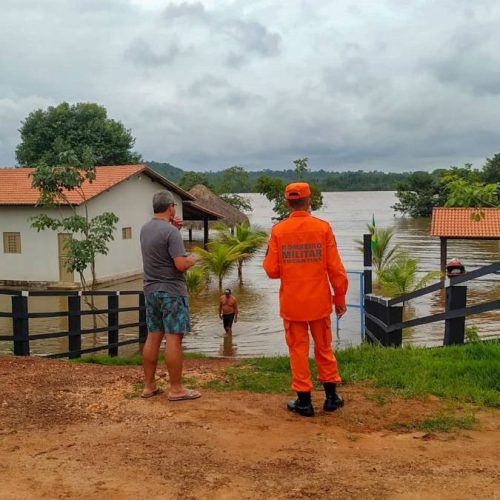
[167, 307]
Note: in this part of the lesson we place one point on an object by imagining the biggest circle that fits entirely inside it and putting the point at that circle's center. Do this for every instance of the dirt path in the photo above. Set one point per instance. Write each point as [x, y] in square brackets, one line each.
[74, 431]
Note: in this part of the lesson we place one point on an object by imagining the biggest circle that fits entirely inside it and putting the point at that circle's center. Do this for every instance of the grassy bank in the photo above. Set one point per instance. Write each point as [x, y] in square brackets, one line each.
[469, 373]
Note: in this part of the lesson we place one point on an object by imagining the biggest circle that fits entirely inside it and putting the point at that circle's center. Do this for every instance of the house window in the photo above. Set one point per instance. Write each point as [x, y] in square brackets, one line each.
[12, 242]
[126, 233]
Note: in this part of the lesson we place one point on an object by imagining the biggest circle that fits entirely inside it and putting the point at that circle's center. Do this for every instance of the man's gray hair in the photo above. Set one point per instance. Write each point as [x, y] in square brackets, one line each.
[162, 200]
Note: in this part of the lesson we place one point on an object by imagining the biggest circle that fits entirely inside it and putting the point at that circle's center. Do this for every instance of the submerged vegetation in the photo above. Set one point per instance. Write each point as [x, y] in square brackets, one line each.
[402, 276]
[396, 272]
[231, 248]
[248, 237]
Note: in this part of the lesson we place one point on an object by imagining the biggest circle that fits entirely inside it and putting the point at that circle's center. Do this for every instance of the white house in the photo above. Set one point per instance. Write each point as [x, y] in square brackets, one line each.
[31, 258]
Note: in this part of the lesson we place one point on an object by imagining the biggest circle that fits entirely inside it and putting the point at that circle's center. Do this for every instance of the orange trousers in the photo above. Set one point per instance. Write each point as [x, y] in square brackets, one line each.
[297, 339]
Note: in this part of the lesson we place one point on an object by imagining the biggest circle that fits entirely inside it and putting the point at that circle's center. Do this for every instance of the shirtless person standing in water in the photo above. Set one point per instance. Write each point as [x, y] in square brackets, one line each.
[228, 310]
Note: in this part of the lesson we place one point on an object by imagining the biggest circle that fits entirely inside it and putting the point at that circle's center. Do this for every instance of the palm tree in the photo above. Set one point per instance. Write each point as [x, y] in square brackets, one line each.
[250, 238]
[196, 280]
[220, 258]
[400, 276]
[382, 255]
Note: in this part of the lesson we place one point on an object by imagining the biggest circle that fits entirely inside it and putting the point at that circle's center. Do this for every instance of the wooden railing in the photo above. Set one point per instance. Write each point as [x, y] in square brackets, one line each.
[384, 317]
[21, 315]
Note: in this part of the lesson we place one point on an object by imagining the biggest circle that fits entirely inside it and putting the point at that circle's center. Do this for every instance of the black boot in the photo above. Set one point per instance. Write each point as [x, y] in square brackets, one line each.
[333, 401]
[302, 405]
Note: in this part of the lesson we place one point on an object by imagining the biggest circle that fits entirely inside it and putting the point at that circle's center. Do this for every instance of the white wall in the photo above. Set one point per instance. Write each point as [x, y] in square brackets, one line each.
[38, 260]
[131, 201]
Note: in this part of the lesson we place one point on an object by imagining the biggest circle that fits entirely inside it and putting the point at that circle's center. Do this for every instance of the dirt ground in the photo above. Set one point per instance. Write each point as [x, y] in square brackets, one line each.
[77, 431]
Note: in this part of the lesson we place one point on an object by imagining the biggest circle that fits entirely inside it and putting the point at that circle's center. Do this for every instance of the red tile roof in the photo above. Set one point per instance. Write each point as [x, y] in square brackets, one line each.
[458, 223]
[16, 189]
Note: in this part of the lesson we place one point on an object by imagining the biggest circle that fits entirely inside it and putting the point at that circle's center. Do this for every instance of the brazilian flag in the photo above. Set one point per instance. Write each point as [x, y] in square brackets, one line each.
[374, 234]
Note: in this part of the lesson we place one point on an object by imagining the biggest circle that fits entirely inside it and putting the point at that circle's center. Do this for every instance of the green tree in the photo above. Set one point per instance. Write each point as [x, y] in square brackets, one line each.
[190, 179]
[274, 190]
[491, 170]
[472, 194]
[419, 194]
[234, 180]
[240, 202]
[65, 128]
[219, 259]
[90, 235]
[249, 238]
[401, 276]
[301, 168]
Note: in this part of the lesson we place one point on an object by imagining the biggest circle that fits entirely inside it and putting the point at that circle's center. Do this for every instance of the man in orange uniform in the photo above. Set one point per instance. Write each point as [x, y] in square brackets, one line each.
[302, 252]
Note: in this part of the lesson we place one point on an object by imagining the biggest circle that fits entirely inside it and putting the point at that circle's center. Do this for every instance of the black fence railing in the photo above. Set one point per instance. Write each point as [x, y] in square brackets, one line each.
[21, 315]
[384, 317]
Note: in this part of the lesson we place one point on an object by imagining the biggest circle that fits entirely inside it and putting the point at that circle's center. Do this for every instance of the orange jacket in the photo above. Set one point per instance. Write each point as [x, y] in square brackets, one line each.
[302, 252]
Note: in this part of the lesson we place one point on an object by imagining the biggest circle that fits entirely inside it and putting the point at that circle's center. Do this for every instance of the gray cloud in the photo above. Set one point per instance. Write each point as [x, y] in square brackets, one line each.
[141, 53]
[255, 37]
[208, 84]
[469, 60]
[191, 11]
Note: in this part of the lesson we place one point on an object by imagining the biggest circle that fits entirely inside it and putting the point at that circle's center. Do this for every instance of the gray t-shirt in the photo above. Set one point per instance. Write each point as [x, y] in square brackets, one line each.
[160, 243]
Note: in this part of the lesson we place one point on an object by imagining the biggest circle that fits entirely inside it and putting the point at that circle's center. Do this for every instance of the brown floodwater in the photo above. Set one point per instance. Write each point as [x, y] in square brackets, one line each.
[259, 330]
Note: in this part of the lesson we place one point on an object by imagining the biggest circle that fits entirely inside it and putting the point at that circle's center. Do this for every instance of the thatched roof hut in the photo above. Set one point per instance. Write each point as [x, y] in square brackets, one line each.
[209, 200]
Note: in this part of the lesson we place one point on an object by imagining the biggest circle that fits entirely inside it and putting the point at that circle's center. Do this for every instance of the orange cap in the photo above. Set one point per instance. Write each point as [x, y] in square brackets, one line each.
[297, 190]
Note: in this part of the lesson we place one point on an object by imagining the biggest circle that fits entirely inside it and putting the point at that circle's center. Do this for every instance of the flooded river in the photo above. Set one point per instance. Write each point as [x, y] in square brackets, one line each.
[259, 329]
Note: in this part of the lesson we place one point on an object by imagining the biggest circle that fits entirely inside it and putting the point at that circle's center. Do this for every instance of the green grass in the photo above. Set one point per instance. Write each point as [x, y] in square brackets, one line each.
[104, 359]
[469, 373]
[439, 423]
[265, 375]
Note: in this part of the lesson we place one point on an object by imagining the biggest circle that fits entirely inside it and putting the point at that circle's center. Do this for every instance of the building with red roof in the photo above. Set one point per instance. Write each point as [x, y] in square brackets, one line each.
[464, 224]
[31, 258]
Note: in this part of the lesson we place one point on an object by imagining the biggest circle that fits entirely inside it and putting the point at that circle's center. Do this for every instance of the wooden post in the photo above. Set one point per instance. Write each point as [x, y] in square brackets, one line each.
[367, 262]
[205, 232]
[444, 258]
[20, 325]
[394, 315]
[74, 326]
[143, 328]
[190, 234]
[113, 324]
[375, 335]
[454, 329]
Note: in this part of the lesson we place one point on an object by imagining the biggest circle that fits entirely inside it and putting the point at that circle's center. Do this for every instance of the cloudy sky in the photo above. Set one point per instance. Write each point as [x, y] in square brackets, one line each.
[386, 84]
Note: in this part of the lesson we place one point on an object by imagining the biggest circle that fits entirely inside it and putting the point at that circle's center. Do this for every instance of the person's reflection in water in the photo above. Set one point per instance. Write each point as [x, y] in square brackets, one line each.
[228, 349]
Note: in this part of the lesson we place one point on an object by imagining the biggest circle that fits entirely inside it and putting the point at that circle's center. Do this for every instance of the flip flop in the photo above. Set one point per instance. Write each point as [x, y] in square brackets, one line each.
[189, 394]
[151, 394]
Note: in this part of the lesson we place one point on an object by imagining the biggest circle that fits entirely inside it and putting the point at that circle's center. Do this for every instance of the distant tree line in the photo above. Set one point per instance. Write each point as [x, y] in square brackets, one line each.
[417, 192]
[239, 180]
